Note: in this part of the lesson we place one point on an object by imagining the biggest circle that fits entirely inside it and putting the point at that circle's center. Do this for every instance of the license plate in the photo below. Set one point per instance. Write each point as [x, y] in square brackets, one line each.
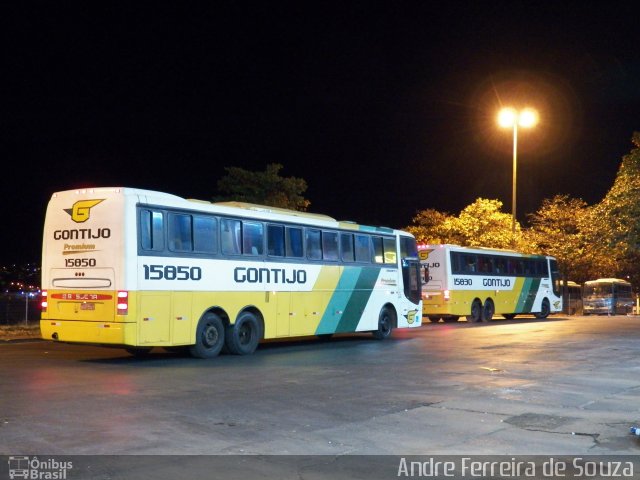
[87, 306]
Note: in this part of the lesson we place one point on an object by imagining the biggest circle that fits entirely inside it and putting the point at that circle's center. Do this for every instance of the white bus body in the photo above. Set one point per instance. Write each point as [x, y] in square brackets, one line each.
[479, 282]
[142, 269]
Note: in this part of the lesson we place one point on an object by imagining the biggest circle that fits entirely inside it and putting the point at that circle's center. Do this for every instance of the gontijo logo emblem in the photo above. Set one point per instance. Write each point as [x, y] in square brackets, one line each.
[81, 210]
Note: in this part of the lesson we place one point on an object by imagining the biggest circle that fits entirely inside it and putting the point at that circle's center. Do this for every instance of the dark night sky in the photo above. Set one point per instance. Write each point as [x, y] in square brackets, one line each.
[384, 108]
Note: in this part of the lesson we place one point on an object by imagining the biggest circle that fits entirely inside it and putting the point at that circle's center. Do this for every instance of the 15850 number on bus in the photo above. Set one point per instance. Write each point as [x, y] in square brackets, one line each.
[171, 272]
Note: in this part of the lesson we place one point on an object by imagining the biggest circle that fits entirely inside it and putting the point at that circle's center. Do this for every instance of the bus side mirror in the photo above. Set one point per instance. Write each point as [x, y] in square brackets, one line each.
[425, 274]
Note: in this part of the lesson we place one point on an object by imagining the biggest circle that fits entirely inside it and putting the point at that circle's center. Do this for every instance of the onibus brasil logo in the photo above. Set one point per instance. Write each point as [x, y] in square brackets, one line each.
[33, 468]
[81, 210]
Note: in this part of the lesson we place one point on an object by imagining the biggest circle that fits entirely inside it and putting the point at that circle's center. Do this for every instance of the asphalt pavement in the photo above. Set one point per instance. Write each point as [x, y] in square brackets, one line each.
[561, 386]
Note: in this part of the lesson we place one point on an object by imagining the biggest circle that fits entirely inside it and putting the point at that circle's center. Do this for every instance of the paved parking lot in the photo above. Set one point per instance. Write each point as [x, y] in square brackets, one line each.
[565, 385]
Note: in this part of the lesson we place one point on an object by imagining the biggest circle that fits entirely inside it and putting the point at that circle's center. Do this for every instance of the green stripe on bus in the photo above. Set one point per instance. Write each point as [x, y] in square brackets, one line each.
[528, 295]
[359, 299]
[350, 297]
[339, 300]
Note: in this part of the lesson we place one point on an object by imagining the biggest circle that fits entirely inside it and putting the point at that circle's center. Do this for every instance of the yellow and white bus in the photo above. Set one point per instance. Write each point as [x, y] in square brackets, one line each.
[142, 269]
[480, 282]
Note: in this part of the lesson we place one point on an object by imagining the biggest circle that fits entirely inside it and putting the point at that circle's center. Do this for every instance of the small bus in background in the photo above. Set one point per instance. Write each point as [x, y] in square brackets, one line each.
[141, 269]
[572, 297]
[478, 283]
[607, 296]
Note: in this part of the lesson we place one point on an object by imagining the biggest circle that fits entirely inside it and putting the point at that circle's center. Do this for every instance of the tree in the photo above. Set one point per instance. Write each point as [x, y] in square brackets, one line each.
[265, 188]
[618, 215]
[483, 224]
[480, 224]
[562, 228]
[429, 226]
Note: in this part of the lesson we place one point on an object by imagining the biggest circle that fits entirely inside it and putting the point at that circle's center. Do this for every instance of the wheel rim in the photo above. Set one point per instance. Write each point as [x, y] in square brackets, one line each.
[210, 335]
[245, 334]
[489, 311]
[385, 324]
[476, 311]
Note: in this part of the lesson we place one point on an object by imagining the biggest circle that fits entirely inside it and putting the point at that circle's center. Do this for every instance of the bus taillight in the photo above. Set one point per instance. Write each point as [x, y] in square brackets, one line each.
[43, 300]
[123, 302]
[447, 295]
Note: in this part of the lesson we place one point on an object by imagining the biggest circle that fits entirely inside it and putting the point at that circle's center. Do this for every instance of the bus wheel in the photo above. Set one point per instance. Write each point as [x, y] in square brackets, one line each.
[209, 337]
[139, 352]
[434, 319]
[545, 309]
[243, 337]
[476, 312]
[385, 324]
[451, 318]
[509, 316]
[488, 310]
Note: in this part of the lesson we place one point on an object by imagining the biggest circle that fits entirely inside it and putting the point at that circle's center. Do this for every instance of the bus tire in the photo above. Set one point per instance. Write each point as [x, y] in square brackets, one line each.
[545, 309]
[509, 316]
[209, 337]
[450, 318]
[242, 337]
[476, 312]
[434, 319]
[386, 321]
[488, 310]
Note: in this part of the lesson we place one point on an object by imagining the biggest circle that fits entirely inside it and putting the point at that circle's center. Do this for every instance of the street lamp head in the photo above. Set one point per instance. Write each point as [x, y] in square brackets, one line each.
[509, 117]
[528, 118]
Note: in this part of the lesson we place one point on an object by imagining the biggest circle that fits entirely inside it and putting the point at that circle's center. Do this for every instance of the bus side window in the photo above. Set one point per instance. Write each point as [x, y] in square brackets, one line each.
[205, 234]
[294, 242]
[252, 238]
[484, 264]
[408, 248]
[500, 265]
[469, 265]
[456, 267]
[314, 247]
[230, 232]
[363, 251]
[275, 240]
[346, 246]
[378, 251]
[180, 233]
[151, 230]
[389, 245]
[330, 246]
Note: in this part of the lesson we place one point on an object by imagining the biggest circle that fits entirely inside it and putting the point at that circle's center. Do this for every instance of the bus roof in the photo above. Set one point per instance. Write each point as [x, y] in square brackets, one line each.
[606, 280]
[479, 249]
[265, 208]
[243, 209]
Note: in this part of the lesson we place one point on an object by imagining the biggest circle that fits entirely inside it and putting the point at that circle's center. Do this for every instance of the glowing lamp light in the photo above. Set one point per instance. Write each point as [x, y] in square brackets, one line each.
[528, 118]
[507, 117]
[510, 117]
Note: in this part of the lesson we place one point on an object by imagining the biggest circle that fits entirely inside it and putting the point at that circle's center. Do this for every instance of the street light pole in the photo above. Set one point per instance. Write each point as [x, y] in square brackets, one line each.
[509, 117]
[515, 176]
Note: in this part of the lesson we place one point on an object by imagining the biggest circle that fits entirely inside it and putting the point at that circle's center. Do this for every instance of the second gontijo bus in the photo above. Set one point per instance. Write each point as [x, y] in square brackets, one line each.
[142, 269]
[478, 283]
